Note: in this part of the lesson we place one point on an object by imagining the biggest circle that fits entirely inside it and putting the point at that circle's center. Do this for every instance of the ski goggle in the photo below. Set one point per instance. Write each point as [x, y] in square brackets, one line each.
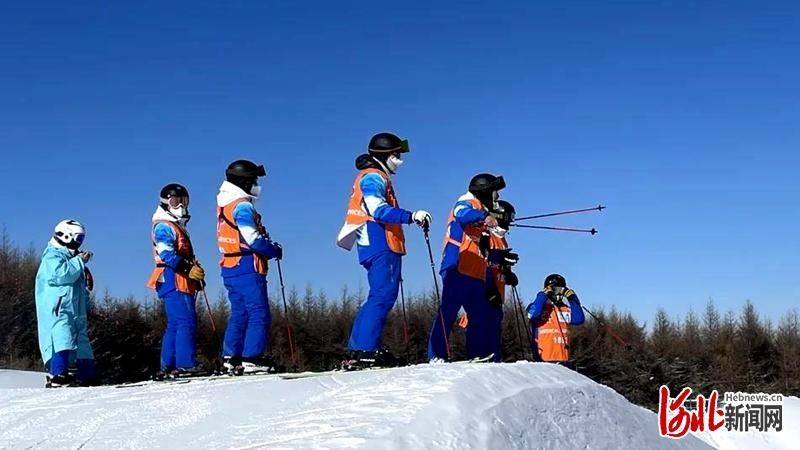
[79, 238]
[401, 148]
[558, 290]
[175, 202]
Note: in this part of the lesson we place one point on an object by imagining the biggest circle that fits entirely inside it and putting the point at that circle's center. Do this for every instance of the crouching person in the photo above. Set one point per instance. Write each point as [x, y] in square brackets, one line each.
[551, 314]
[62, 298]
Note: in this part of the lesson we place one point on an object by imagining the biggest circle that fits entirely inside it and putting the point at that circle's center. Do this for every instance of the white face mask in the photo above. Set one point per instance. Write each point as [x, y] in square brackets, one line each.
[393, 163]
[255, 191]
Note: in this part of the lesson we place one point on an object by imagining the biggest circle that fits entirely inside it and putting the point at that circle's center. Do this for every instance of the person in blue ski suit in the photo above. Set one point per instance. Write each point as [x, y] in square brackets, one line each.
[555, 309]
[374, 222]
[62, 302]
[246, 247]
[176, 279]
[464, 272]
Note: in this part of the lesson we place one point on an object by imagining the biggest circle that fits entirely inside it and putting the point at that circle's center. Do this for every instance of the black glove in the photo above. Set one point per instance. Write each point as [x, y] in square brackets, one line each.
[493, 295]
[503, 257]
[510, 277]
[485, 244]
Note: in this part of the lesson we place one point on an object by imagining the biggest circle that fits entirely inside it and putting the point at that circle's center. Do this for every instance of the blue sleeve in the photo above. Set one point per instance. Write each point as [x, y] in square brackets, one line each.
[535, 308]
[575, 310]
[373, 188]
[62, 270]
[465, 214]
[244, 216]
[164, 238]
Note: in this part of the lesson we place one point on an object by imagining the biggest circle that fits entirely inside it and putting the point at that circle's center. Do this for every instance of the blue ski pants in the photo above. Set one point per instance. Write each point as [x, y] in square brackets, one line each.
[482, 331]
[248, 326]
[383, 273]
[178, 346]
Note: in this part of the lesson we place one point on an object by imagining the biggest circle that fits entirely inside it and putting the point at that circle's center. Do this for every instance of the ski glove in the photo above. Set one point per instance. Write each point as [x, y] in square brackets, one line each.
[422, 218]
[510, 277]
[197, 273]
[568, 293]
[277, 250]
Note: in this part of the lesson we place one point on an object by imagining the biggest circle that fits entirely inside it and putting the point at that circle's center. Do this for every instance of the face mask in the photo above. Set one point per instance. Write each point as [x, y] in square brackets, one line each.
[255, 191]
[393, 163]
[179, 212]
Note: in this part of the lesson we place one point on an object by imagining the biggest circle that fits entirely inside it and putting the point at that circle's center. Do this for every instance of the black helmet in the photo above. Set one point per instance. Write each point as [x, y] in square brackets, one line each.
[173, 190]
[244, 173]
[483, 185]
[504, 213]
[555, 280]
[387, 143]
[244, 169]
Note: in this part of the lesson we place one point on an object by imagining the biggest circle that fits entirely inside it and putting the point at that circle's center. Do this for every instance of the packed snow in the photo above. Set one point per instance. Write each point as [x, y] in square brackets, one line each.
[20, 379]
[520, 405]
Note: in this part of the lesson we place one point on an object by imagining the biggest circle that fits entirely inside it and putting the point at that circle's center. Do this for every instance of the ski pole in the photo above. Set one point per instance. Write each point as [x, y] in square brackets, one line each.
[527, 323]
[519, 330]
[405, 318]
[608, 329]
[561, 213]
[289, 335]
[210, 315]
[426, 229]
[540, 227]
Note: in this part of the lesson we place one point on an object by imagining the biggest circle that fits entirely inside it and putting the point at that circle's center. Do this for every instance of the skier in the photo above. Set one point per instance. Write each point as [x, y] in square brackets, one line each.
[374, 221]
[498, 275]
[551, 314]
[246, 247]
[464, 268]
[62, 298]
[176, 279]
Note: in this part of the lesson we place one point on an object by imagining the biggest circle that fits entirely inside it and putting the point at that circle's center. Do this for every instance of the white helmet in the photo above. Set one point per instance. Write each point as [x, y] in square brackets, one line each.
[70, 233]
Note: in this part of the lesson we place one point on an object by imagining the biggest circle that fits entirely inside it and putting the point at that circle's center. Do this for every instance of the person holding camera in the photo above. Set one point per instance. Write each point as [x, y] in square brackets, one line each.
[555, 309]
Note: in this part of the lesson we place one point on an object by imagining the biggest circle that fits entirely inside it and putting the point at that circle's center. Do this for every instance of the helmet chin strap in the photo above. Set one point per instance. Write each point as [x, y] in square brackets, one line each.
[383, 165]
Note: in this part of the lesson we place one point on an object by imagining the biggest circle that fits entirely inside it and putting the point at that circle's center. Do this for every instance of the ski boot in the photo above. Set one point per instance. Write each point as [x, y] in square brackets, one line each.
[57, 381]
[360, 360]
[259, 364]
[232, 365]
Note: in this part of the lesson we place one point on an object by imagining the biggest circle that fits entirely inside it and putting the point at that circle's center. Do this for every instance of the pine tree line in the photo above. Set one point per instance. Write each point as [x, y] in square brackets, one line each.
[713, 350]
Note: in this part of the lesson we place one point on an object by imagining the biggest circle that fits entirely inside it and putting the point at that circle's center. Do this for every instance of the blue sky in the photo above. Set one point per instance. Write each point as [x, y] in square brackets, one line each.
[683, 119]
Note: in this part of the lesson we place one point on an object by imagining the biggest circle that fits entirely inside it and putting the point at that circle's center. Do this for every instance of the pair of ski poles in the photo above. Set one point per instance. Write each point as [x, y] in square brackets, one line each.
[591, 231]
[289, 329]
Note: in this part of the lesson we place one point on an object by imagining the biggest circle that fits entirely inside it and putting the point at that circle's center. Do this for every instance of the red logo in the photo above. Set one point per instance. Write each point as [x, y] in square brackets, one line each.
[675, 420]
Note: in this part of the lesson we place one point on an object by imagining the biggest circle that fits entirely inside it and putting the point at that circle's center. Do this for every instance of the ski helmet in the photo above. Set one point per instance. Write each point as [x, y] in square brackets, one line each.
[70, 233]
[245, 174]
[387, 143]
[505, 214]
[175, 200]
[555, 280]
[386, 149]
[484, 185]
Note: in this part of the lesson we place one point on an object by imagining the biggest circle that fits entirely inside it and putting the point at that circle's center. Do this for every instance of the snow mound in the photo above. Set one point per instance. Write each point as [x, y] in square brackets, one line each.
[520, 405]
[14, 379]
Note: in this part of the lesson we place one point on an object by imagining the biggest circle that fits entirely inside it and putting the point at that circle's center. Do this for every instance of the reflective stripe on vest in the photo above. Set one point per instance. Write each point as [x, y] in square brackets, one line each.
[229, 240]
[470, 260]
[183, 247]
[552, 334]
[357, 214]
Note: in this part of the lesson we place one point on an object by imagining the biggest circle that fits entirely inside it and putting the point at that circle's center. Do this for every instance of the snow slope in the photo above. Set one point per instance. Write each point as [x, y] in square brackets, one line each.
[521, 405]
[21, 379]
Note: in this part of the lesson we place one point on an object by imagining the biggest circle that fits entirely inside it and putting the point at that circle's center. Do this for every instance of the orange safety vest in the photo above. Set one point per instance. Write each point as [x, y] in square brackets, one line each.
[552, 334]
[229, 240]
[470, 260]
[183, 247]
[357, 213]
[496, 243]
